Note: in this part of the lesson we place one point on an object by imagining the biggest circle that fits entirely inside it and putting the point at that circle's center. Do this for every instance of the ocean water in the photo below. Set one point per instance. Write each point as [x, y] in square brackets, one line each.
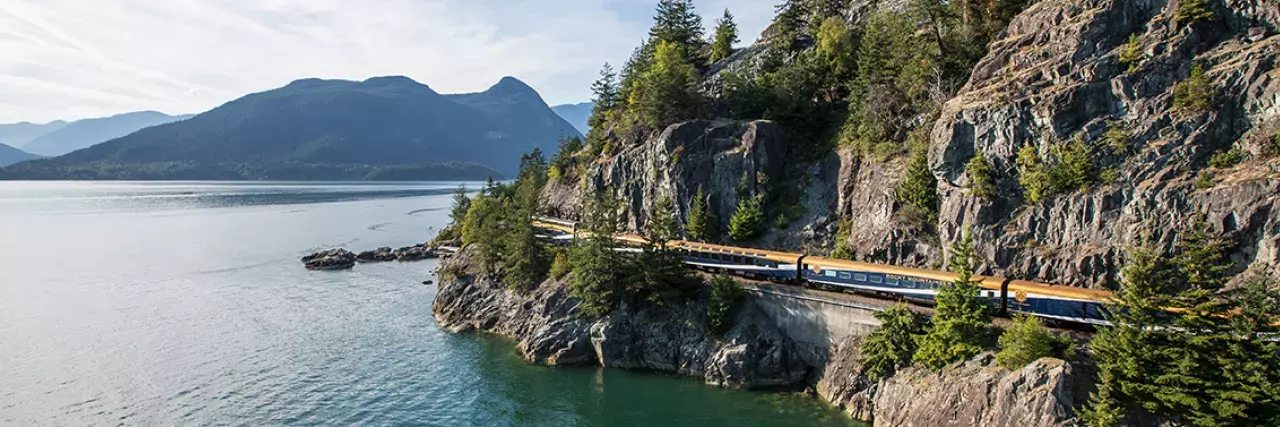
[167, 303]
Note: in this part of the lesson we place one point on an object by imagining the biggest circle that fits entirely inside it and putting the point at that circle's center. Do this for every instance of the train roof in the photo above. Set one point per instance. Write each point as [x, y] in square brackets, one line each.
[787, 257]
[552, 226]
[988, 282]
[1060, 291]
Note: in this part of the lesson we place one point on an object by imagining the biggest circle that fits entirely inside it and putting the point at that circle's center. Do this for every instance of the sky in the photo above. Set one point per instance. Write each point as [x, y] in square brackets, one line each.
[72, 59]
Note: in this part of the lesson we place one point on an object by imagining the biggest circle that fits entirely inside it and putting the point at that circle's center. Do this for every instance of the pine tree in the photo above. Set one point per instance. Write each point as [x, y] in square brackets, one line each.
[918, 191]
[596, 268]
[725, 295]
[677, 23]
[726, 35]
[961, 315]
[748, 220]
[701, 223]
[524, 256]
[1192, 11]
[667, 91]
[461, 203]
[982, 181]
[892, 345]
[1027, 340]
[607, 98]
[1195, 94]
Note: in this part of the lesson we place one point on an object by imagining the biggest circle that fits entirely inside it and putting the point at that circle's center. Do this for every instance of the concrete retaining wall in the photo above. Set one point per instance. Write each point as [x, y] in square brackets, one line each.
[813, 322]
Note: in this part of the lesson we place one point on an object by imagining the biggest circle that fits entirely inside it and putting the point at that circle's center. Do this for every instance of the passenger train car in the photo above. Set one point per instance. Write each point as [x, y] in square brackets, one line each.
[1060, 303]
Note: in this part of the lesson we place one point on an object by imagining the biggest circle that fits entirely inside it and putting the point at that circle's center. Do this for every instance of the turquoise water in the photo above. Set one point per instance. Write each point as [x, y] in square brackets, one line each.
[184, 304]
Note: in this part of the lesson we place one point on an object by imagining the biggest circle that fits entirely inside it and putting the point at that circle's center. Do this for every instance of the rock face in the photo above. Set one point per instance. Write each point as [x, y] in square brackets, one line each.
[377, 255]
[415, 253]
[334, 259]
[971, 393]
[546, 324]
[1057, 76]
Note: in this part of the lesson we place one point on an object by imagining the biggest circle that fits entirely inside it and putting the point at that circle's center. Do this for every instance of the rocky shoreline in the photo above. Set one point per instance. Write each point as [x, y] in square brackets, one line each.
[754, 354]
[342, 259]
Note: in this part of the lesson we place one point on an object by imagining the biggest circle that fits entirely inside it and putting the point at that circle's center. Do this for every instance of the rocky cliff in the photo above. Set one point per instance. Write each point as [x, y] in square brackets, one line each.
[548, 330]
[970, 393]
[1053, 76]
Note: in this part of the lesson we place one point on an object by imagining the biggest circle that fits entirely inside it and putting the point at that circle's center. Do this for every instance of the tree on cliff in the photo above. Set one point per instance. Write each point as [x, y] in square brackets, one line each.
[657, 274]
[667, 91]
[918, 192]
[892, 345]
[678, 24]
[596, 267]
[606, 98]
[461, 203]
[701, 224]
[961, 318]
[726, 35]
[748, 221]
[1183, 348]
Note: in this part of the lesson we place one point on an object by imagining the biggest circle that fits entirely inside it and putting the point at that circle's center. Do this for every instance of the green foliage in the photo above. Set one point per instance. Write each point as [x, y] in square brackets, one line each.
[701, 222]
[748, 220]
[726, 35]
[678, 24]
[1227, 159]
[961, 317]
[657, 274]
[1182, 347]
[461, 203]
[1272, 148]
[497, 223]
[726, 293]
[982, 181]
[918, 191]
[1028, 340]
[842, 251]
[667, 91]
[524, 256]
[1195, 94]
[596, 268]
[1192, 11]
[1131, 55]
[560, 266]
[1205, 180]
[836, 48]
[1071, 167]
[1116, 139]
[892, 345]
[565, 158]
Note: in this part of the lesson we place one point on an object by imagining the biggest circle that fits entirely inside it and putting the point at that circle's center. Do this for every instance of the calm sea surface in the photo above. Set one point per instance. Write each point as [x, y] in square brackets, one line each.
[185, 304]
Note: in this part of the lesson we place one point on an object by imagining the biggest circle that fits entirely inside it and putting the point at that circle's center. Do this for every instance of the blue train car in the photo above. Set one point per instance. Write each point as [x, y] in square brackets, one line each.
[761, 264]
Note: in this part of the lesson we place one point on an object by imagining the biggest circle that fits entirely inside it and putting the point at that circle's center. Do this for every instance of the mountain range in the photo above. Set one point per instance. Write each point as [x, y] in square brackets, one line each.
[84, 133]
[576, 114]
[380, 128]
[10, 155]
[19, 134]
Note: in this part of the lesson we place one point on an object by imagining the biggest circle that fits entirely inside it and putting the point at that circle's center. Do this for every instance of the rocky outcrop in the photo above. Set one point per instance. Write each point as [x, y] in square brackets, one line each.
[383, 254]
[334, 259]
[415, 253]
[1056, 76]
[549, 330]
[970, 393]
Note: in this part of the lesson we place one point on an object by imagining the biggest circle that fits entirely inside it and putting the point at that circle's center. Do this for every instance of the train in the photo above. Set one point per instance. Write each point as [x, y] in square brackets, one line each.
[1060, 304]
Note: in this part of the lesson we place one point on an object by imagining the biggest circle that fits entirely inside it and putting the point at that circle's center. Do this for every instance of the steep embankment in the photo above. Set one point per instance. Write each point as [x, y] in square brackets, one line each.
[1053, 77]
[549, 330]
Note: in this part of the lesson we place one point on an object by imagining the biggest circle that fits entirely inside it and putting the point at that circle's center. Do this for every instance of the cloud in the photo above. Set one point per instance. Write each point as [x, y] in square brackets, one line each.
[67, 59]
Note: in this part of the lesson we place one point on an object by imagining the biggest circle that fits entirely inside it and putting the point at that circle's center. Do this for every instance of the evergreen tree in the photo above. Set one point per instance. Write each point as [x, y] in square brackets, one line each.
[1195, 94]
[461, 203]
[657, 274]
[596, 268]
[982, 181]
[667, 91]
[725, 295]
[892, 345]
[748, 220]
[726, 35]
[918, 191]
[1192, 11]
[678, 24]
[1028, 341]
[524, 256]
[607, 99]
[1131, 55]
[961, 315]
[701, 223]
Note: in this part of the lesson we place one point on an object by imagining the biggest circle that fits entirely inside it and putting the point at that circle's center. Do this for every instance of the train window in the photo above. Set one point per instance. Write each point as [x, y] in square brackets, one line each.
[860, 277]
[891, 281]
[877, 279]
[829, 273]
[844, 276]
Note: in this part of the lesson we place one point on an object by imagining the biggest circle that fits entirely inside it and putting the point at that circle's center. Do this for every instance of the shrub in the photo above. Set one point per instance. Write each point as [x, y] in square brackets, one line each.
[1227, 159]
[1131, 55]
[1075, 170]
[701, 223]
[842, 251]
[560, 265]
[1192, 11]
[918, 192]
[1032, 175]
[892, 345]
[1271, 148]
[748, 221]
[725, 295]
[1028, 340]
[1117, 139]
[959, 324]
[982, 182]
[1195, 94]
[1205, 180]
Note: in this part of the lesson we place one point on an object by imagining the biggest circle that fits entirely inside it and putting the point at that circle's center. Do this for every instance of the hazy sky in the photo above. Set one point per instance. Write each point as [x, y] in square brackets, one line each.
[70, 59]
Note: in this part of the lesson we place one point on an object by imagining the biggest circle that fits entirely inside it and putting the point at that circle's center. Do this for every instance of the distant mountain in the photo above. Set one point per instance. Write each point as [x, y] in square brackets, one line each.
[19, 134]
[577, 114]
[84, 133]
[329, 129]
[10, 155]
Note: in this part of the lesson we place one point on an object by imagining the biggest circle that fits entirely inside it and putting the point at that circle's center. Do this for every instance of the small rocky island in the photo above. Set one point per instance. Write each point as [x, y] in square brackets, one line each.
[342, 259]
